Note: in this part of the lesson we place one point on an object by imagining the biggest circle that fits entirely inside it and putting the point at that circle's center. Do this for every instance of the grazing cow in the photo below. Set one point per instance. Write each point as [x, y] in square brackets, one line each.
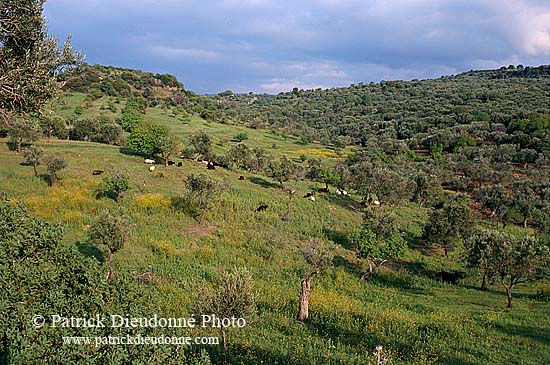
[338, 192]
[323, 190]
[151, 168]
[180, 164]
[170, 163]
[149, 161]
[310, 194]
[261, 208]
[241, 178]
[312, 198]
[211, 166]
[344, 193]
[160, 174]
[97, 172]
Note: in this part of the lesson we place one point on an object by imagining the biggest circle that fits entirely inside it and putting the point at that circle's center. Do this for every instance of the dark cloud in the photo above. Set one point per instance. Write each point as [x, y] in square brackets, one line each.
[274, 45]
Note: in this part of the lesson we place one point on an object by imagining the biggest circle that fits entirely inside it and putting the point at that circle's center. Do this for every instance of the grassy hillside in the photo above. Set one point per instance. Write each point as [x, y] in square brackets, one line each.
[405, 308]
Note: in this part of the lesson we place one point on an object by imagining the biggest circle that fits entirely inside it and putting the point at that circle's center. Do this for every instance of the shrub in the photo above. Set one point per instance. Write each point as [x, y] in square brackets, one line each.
[115, 186]
[109, 133]
[239, 137]
[54, 164]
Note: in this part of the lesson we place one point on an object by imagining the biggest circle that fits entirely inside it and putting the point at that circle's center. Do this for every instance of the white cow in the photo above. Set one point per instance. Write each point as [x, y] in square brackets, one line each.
[151, 168]
[149, 161]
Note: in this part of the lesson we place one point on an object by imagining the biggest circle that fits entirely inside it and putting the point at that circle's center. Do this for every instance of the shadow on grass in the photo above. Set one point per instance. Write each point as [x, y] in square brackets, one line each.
[91, 250]
[346, 203]
[130, 152]
[532, 333]
[354, 269]
[395, 280]
[415, 242]
[12, 146]
[338, 237]
[263, 183]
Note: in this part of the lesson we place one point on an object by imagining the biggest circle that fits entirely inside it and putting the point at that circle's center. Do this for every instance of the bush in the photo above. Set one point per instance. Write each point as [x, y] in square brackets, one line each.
[110, 133]
[53, 165]
[239, 137]
[110, 230]
[113, 187]
[84, 129]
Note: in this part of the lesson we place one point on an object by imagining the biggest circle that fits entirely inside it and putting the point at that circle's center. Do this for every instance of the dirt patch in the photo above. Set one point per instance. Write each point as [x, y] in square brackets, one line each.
[197, 229]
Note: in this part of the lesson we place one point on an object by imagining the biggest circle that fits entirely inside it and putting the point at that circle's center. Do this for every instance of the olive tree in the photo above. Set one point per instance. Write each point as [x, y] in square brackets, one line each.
[318, 256]
[378, 241]
[202, 145]
[281, 169]
[54, 164]
[110, 230]
[232, 296]
[509, 259]
[23, 131]
[169, 146]
[449, 224]
[115, 186]
[30, 61]
[32, 156]
[202, 194]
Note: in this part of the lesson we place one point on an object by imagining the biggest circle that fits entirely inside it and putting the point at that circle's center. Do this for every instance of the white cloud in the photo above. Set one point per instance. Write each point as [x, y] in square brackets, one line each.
[535, 30]
[174, 52]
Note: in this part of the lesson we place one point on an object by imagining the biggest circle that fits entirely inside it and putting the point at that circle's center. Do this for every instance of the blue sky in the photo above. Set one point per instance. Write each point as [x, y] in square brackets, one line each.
[275, 45]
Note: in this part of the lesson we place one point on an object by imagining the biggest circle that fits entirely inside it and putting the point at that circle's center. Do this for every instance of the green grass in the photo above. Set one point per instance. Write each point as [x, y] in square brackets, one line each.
[419, 320]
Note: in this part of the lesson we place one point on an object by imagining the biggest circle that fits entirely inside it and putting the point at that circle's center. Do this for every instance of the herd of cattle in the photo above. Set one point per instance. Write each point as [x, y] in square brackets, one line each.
[311, 195]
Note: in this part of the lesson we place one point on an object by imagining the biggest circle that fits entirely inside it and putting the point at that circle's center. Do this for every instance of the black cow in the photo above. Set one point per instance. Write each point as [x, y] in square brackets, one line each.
[180, 164]
[261, 208]
[97, 172]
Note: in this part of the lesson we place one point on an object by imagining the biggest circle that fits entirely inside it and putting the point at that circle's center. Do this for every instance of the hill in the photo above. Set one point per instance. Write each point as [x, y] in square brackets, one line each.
[351, 139]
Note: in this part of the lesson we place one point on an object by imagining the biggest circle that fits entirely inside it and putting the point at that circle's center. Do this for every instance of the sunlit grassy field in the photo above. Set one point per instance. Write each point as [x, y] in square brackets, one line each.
[418, 319]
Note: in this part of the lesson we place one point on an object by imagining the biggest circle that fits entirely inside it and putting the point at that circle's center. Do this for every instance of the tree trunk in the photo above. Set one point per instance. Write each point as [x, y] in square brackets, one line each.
[109, 274]
[19, 147]
[509, 295]
[303, 311]
[118, 197]
[108, 264]
[224, 344]
[35, 170]
[525, 222]
[366, 275]
[484, 282]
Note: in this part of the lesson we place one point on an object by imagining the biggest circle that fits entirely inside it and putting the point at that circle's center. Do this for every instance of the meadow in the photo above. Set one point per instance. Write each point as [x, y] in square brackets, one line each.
[405, 308]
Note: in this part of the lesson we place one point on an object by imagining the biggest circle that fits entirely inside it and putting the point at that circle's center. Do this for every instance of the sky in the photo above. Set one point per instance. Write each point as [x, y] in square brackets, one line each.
[274, 45]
